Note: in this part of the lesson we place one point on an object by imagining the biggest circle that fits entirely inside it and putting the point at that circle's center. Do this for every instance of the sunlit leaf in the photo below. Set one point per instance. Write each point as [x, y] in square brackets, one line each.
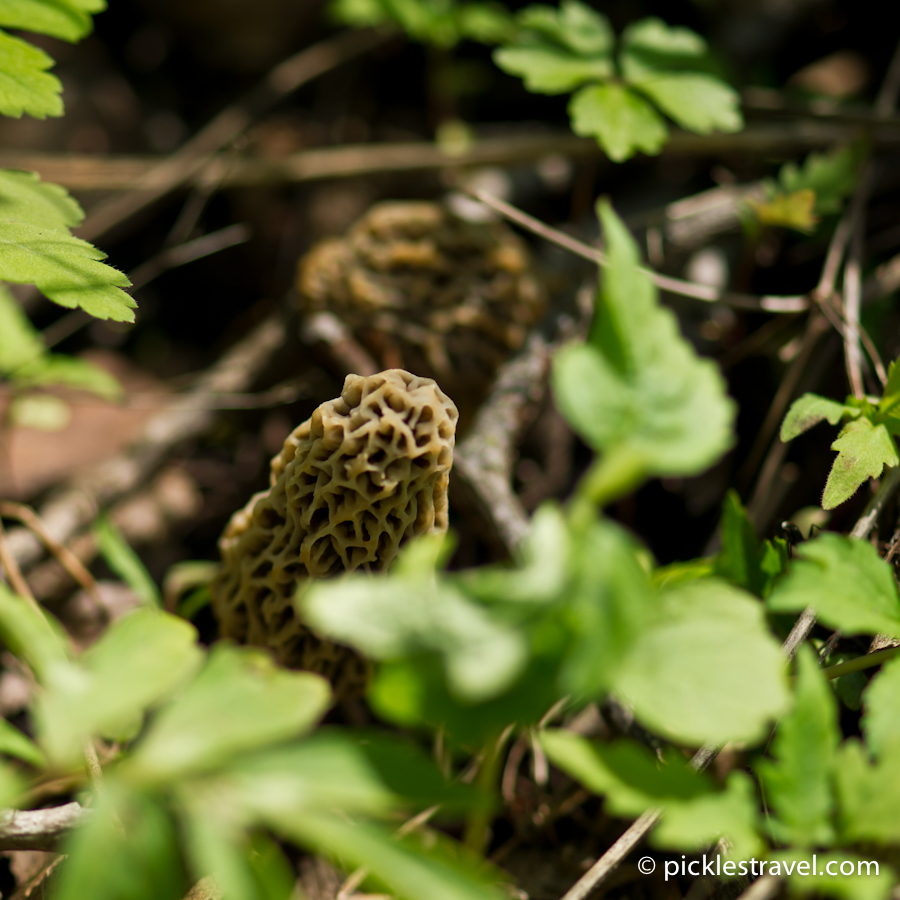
[864, 449]
[809, 410]
[14, 743]
[881, 719]
[25, 84]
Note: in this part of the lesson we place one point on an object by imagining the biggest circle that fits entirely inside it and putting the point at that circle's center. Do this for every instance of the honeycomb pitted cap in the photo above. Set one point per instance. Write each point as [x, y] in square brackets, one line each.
[364, 474]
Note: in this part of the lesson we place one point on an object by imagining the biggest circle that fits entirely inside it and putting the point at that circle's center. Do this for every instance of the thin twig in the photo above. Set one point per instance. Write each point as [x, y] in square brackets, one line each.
[791, 304]
[66, 558]
[874, 507]
[10, 566]
[853, 289]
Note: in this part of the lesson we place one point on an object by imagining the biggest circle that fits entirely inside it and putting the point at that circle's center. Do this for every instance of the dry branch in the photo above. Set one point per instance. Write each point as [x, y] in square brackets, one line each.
[39, 829]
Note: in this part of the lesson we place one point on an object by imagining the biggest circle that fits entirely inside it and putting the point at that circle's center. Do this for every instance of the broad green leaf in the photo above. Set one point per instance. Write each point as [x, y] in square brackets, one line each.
[860, 879]
[25, 84]
[488, 23]
[574, 26]
[809, 410]
[387, 617]
[609, 603]
[14, 743]
[699, 822]
[794, 210]
[127, 850]
[271, 870]
[239, 702]
[140, 660]
[699, 103]
[881, 719]
[65, 269]
[650, 44]
[120, 557]
[832, 176]
[797, 779]
[622, 122]
[867, 795]
[744, 560]
[864, 450]
[707, 669]
[637, 391]
[845, 581]
[58, 18]
[406, 868]
[558, 50]
[359, 13]
[551, 70]
[32, 634]
[20, 342]
[633, 780]
[68, 371]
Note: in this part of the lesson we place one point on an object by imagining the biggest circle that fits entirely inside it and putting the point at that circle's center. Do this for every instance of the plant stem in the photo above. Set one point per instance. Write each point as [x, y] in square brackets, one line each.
[861, 662]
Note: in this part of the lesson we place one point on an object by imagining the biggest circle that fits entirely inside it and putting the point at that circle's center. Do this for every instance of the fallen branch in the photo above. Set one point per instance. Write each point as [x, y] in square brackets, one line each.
[39, 829]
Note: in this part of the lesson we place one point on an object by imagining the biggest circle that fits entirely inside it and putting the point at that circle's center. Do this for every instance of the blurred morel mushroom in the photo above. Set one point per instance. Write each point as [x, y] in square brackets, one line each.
[429, 292]
[367, 472]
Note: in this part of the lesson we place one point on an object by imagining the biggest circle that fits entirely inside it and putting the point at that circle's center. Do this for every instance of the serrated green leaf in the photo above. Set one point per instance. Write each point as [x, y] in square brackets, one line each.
[558, 50]
[699, 103]
[881, 718]
[58, 18]
[797, 779]
[25, 84]
[239, 702]
[65, 269]
[891, 397]
[14, 743]
[705, 627]
[845, 581]
[621, 121]
[867, 795]
[652, 44]
[864, 450]
[809, 410]
[831, 176]
[25, 198]
[637, 392]
[127, 848]
[860, 880]
[121, 558]
[140, 660]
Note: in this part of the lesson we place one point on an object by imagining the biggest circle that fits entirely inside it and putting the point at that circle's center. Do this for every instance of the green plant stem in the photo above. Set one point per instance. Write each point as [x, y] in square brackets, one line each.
[861, 663]
[479, 820]
[611, 476]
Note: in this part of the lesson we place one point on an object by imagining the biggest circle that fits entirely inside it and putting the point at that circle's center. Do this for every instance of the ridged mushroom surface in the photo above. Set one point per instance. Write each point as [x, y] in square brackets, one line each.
[430, 292]
[367, 472]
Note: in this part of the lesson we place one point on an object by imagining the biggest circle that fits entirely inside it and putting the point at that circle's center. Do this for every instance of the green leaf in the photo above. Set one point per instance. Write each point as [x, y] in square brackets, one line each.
[809, 410]
[845, 581]
[707, 668]
[11, 786]
[870, 880]
[359, 13]
[633, 780]
[25, 85]
[622, 122]
[637, 391]
[20, 342]
[140, 660]
[609, 604]
[119, 556]
[881, 719]
[891, 398]
[650, 44]
[867, 795]
[25, 198]
[58, 369]
[488, 23]
[58, 18]
[699, 103]
[832, 176]
[239, 702]
[65, 269]
[43, 412]
[797, 779]
[32, 634]
[864, 450]
[127, 850]
[558, 50]
[787, 211]
[406, 868]
[14, 743]
[744, 560]
[387, 617]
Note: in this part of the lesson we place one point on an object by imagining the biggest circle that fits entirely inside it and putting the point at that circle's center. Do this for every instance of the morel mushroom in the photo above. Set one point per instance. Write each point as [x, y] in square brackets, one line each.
[425, 290]
[367, 472]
